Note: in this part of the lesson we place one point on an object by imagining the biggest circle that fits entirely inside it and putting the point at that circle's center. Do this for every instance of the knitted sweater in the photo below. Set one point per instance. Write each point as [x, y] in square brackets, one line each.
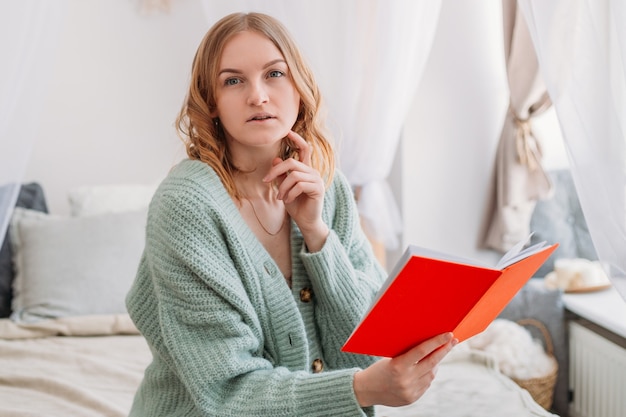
[227, 334]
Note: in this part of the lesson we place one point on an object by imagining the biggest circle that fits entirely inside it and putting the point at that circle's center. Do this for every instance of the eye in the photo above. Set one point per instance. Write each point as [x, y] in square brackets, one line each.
[232, 81]
[275, 74]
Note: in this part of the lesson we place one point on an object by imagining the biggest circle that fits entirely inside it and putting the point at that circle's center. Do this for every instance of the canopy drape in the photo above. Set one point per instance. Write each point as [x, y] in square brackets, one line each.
[581, 48]
[520, 179]
[368, 57]
[28, 39]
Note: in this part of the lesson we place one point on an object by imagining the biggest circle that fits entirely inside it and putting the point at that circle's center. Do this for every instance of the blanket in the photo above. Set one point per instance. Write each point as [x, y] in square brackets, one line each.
[469, 384]
[80, 367]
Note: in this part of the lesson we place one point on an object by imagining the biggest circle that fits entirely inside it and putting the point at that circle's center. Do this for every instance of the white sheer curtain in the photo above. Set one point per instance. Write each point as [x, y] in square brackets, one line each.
[581, 47]
[28, 34]
[368, 57]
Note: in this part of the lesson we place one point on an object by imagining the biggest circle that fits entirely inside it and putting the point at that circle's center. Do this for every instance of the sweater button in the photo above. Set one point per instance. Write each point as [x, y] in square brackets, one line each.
[317, 366]
[305, 294]
[269, 268]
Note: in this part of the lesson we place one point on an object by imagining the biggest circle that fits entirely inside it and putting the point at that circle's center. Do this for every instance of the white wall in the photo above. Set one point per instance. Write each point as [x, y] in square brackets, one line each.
[120, 77]
[118, 81]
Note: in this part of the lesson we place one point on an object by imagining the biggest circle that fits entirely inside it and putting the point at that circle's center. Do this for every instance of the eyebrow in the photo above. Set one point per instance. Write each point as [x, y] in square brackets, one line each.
[236, 71]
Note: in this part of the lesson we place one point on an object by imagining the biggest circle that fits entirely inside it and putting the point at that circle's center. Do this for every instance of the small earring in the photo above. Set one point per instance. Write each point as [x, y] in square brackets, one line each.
[216, 122]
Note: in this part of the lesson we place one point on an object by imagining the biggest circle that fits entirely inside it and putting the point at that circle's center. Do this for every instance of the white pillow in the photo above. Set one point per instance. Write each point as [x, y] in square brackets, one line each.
[100, 199]
[70, 266]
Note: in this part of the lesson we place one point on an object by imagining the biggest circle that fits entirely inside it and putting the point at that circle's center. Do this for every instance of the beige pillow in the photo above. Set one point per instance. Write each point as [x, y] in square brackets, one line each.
[100, 199]
[69, 266]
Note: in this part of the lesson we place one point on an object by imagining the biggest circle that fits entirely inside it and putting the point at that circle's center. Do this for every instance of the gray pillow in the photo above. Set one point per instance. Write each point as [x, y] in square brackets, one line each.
[69, 266]
[30, 196]
[560, 219]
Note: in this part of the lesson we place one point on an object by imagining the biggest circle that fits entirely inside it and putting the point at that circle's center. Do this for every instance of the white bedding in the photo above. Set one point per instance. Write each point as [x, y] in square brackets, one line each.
[468, 384]
[91, 366]
[71, 372]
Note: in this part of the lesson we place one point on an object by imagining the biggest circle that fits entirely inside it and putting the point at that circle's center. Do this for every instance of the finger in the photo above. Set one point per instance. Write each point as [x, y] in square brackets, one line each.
[285, 167]
[424, 349]
[430, 363]
[298, 183]
[304, 149]
[278, 171]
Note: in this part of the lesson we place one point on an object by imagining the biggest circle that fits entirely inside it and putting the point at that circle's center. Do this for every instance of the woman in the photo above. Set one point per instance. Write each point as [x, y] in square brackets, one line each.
[255, 269]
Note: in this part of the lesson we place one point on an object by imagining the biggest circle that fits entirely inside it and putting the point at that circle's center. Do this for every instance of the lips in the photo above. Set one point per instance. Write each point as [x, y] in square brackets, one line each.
[259, 117]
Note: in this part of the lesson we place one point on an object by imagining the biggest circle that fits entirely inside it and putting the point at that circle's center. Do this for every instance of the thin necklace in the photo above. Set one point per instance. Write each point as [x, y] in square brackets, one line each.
[261, 224]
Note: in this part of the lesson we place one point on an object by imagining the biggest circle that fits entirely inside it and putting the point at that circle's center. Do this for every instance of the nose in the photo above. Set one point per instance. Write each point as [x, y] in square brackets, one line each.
[257, 94]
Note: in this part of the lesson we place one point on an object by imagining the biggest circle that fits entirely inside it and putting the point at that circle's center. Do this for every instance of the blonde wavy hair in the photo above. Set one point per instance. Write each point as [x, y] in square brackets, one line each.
[204, 138]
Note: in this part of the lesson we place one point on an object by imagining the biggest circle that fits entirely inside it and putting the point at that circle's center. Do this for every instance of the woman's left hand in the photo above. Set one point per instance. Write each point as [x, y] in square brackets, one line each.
[301, 188]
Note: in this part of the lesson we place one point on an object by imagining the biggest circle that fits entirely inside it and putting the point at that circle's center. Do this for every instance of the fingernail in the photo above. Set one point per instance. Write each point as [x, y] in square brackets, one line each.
[455, 342]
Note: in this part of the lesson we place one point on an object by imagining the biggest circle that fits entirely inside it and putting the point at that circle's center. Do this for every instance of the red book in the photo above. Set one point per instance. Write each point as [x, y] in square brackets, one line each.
[429, 293]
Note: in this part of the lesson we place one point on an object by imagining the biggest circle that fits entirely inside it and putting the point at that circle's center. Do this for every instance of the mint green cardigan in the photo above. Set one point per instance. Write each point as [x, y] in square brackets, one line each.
[228, 336]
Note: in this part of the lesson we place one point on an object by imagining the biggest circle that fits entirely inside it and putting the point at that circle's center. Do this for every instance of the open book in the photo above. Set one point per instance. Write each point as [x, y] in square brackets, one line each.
[429, 293]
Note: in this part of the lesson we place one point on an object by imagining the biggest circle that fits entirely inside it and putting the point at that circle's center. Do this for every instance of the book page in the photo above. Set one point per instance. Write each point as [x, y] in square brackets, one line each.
[429, 253]
[518, 252]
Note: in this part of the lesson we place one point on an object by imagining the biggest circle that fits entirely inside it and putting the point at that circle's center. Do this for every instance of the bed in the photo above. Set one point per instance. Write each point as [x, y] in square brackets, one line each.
[83, 366]
[91, 366]
[68, 347]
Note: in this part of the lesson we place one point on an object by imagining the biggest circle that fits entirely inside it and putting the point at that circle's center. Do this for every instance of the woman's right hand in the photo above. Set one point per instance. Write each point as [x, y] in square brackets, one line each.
[404, 379]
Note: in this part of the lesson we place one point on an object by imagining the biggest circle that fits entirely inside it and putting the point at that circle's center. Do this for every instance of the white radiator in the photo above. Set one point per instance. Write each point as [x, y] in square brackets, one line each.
[597, 375]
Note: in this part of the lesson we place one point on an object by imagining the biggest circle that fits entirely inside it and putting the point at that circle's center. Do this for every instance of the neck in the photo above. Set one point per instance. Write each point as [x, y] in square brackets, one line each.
[252, 167]
[251, 186]
[252, 160]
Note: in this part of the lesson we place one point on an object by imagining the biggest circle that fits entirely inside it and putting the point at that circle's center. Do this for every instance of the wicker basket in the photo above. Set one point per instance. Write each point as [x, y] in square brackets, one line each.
[541, 388]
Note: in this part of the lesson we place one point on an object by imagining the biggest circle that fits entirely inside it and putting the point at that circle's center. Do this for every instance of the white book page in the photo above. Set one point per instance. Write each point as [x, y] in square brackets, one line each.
[518, 252]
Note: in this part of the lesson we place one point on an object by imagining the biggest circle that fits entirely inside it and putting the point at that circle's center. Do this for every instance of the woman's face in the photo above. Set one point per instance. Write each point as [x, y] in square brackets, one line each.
[256, 100]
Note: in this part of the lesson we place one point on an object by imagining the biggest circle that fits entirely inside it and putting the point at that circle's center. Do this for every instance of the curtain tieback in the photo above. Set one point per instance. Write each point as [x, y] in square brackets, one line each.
[528, 147]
